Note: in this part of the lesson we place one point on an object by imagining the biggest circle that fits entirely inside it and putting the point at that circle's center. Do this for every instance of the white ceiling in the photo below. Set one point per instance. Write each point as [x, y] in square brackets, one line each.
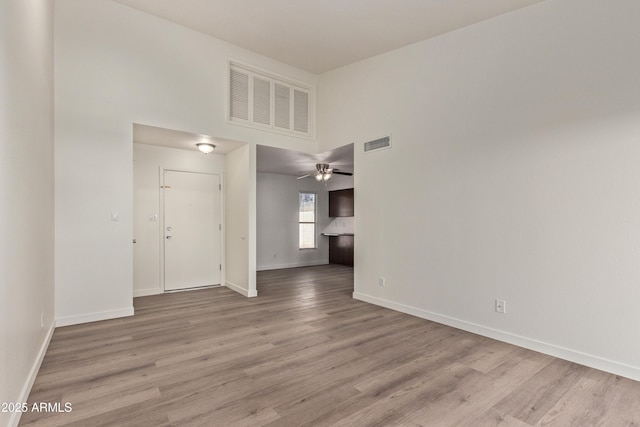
[268, 159]
[321, 35]
[295, 163]
[151, 135]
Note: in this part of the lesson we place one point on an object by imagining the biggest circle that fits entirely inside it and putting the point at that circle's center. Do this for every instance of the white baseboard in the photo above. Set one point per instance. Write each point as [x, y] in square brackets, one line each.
[575, 356]
[146, 292]
[241, 290]
[94, 317]
[293, 265]
[33, 373]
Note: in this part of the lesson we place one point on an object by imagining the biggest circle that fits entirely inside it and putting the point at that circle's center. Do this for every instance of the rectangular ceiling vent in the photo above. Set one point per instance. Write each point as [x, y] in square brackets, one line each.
[377, 144]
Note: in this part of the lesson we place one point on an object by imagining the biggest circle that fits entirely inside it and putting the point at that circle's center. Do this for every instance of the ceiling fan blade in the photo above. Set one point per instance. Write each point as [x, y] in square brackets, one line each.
[303, 176]
[337, 172]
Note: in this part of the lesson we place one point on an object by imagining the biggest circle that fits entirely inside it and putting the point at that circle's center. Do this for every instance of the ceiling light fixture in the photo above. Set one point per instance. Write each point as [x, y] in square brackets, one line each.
[323, 172]
[205, 147]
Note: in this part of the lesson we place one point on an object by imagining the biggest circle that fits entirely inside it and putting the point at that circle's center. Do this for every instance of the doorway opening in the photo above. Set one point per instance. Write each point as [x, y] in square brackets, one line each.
[156, 150]
[282, 177]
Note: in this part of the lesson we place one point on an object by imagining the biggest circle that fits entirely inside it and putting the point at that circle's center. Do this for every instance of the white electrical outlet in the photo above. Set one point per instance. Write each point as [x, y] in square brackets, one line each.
[382, 281]
[501, 306]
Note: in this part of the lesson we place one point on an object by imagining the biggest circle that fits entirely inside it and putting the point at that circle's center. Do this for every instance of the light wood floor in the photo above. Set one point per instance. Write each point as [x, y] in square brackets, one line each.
[304, 353]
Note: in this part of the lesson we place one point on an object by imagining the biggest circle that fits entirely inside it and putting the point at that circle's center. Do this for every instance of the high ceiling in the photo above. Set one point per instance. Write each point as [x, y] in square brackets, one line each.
[313, 35]
[321, 35]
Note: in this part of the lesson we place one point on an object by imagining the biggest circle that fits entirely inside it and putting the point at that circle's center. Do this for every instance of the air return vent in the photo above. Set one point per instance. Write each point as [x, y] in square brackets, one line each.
[377, 144]
[269, 102]
[239, 95]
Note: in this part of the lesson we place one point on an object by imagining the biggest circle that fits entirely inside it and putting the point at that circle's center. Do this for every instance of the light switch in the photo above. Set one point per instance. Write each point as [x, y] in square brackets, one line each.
[115, 216]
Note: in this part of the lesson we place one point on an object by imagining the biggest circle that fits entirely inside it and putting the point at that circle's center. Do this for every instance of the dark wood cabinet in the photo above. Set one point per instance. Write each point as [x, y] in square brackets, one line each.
[341, 245]
[341, 203]
[341, 249]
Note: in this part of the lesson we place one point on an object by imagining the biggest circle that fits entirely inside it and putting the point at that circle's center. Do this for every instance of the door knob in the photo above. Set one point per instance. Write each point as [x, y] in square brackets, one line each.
[168, 237]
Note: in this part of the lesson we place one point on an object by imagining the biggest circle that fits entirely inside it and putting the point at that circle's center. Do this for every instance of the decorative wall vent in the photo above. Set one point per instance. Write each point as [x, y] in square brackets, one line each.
[269, 102]
[377, 144]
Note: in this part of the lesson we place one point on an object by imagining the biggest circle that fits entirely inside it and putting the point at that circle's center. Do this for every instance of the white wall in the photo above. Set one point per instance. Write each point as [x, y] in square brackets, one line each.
[240, 219]
[148, 162]
[26, 195]
[513, 174]
[115, 66]
[277, 222]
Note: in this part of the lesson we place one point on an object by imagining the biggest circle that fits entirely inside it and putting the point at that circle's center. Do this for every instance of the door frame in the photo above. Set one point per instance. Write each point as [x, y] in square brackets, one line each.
[161, 172]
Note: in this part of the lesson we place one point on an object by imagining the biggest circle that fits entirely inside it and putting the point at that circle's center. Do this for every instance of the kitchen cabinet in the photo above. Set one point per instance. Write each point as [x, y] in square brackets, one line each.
[341, 203]
[341, 249]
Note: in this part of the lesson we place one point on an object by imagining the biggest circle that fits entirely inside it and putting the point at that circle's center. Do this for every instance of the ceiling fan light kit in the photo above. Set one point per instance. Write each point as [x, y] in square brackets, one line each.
[324, 172]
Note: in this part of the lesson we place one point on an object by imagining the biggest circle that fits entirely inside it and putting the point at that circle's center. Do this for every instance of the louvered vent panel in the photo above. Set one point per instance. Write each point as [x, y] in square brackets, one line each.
[239, 95]
[300, 111]
[264, 101]
[377, 144]
[282, 106]
[261, 101]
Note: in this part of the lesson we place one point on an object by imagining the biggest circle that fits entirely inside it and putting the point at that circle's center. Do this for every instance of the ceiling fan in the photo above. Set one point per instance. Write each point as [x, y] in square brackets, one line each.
[324, 172]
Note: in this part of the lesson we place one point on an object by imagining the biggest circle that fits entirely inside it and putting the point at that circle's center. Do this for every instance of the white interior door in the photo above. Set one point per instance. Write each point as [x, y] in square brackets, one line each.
[192, 236]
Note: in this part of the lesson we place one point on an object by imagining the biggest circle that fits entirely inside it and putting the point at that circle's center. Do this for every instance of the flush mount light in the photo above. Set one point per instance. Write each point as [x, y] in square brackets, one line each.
[205, 147]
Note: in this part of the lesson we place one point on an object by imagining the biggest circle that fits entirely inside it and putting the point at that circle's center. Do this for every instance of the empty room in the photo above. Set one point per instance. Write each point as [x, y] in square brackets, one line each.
[285, 212]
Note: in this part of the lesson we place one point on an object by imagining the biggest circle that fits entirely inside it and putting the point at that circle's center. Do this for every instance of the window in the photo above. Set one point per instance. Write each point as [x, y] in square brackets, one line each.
[307, 220]
[268, 102]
